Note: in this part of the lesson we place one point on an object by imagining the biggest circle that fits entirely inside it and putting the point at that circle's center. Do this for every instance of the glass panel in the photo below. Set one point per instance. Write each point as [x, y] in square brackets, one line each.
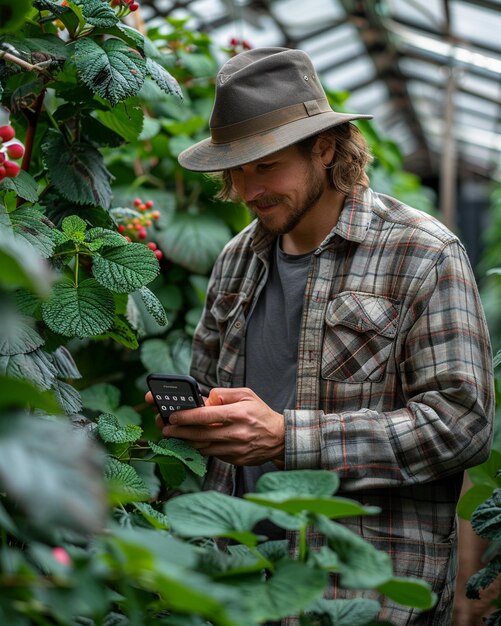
[426, 13]
[476, 24]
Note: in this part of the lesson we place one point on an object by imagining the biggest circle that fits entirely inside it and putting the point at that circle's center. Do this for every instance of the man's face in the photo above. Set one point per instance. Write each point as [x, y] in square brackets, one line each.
[280, 189]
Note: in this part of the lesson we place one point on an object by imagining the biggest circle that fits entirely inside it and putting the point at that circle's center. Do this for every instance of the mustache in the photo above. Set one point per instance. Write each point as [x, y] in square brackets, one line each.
[266, 201]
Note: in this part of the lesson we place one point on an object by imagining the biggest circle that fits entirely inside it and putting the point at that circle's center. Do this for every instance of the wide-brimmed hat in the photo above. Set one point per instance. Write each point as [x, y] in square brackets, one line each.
[266, 99]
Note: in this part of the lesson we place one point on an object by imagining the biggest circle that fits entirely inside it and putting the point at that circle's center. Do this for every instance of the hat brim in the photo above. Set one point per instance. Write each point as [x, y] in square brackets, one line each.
[207, 156]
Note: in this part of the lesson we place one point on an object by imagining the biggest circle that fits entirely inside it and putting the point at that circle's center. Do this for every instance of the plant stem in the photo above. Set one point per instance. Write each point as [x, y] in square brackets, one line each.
[303, 545]
[24, 64]
[77, 266]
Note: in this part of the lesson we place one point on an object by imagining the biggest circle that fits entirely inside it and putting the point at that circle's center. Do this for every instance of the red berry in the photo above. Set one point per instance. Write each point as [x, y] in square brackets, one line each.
[2, 158]
[11, 169]
[142, 208]
[158, 254]
[15, 150]
[138, 202]
[142, 234]
[149, 204]
[234, 41]
[7, 132]
[128, 238]
[121, 229]
[155, 215]
[151, 245]
[61, 556]
[3, 173]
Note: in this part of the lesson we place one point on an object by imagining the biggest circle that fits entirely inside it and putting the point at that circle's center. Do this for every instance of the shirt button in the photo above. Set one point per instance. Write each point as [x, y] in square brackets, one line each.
[238, 325]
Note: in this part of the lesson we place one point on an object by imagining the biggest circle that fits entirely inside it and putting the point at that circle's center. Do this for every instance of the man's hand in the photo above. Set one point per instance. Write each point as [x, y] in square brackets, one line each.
[235, 426]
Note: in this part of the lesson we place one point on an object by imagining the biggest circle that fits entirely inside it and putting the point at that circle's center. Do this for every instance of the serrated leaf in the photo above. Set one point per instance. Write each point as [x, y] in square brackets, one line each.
[31, 225]
[74, 228]
[77, 171]
[127, 268]
[156, 356]
[123, 333]
[113, 70]
[64, 363]
[299, 482]
[214, 514]
[153, 306]
[68, 397]
[124, 482]
[111, 431]
[483, 578]
[23, 184]
[193, 241]
[156, 518]
[179, 449]
[17, 332]
[99, 237]
[163, 79]
[82, 311]
[35, 367]
[97, 13]
[486, 519]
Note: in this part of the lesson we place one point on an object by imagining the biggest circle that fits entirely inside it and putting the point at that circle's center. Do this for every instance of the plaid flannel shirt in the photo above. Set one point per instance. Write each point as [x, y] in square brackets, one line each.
[394, 379]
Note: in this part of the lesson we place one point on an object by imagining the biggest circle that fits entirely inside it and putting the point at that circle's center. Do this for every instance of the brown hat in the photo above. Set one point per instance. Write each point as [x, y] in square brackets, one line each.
[266, 99]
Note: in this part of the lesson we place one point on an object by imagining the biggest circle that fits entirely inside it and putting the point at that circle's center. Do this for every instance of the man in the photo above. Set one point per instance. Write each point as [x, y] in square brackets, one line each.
[342, 329]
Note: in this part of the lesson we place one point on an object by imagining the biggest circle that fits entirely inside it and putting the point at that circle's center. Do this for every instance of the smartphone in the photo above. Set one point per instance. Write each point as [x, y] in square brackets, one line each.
[172, 392]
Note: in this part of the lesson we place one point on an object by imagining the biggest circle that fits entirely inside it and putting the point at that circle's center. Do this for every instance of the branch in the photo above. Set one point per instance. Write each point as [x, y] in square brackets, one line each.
[24, 64]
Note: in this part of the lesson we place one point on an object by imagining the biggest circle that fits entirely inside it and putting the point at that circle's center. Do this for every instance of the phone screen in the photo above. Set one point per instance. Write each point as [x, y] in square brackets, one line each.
[173, 394]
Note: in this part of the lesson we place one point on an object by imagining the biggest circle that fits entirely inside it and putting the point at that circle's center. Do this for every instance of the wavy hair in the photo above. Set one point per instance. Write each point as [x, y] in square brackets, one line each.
[348, 167]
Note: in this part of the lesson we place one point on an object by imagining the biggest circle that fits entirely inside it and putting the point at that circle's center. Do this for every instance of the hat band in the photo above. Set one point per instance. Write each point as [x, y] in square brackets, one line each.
[270, 120]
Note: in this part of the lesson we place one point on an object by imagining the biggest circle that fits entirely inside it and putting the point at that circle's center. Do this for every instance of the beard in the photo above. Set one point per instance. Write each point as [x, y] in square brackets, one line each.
[314, 187]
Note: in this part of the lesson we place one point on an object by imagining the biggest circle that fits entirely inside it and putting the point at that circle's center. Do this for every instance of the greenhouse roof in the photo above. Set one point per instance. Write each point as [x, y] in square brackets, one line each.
[428, 70]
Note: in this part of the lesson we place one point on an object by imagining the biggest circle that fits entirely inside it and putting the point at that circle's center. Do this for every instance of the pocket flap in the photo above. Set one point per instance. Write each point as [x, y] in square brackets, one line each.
[363, 312]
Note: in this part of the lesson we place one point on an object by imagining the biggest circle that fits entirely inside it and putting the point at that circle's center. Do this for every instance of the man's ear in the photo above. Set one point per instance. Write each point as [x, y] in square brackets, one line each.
[325, 148]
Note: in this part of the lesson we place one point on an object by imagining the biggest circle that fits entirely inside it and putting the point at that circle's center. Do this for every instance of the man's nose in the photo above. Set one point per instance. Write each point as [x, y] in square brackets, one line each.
[252, 189]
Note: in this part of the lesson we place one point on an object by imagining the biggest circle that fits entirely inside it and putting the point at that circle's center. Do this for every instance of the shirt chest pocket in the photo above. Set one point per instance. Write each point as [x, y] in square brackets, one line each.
[360, 330]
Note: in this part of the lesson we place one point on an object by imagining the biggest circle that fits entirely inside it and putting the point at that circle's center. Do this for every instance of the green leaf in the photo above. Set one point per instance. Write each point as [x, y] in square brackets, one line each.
[35, 228]
[409, 592]
[82, 311]
[22, 266]
[68, 397]
[111, 431]
[127, 268]
[77, 171]
[64, 363]
[318, 483]
[360, 565]
[123, 333]
[353, 612]
[102, 397]
[35, 367]
[98, 237]
[179, 449]
[153, 306]
[13, 14]
[154, 517]
[74, 227]
[112, 70]
[15, 393]
[214, 514]
[97, 13]
[472, 499]
[483, 578]
[163, 79]
[156, 356]
[486, 473]
[125, 119]
[53, 472]
[486, 519]
[24, 185]
[124, 483]
[17, 332]
[193, 241]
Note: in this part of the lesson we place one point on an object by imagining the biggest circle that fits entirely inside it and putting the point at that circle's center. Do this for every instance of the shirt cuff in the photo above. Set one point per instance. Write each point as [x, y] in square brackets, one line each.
[302, 439]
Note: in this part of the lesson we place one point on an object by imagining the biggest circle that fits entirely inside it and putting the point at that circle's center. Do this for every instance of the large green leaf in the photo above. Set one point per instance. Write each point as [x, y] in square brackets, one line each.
[35, 366]
[68, 397]
[77, 171]
[123, 333]
[124, 483]
[153, 306]
[82, 311]
[102, 397]
[13, 14]
[17, 332]
[353, 612]
[53, 473]
[64, 363]
[156, 356]
[20, 393]
[22, 266]
[179, 449]
[193, 241]
[318, 483]
[125, 119]
[154, 517]
[112, 70]
[360, 565]
[214, 514]
[35, 228]
[409, 592]
[97, 13]
[23, 184]
[125, 269]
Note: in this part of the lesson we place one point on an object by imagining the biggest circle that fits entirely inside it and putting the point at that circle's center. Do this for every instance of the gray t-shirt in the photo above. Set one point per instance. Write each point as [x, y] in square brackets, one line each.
[271, 344]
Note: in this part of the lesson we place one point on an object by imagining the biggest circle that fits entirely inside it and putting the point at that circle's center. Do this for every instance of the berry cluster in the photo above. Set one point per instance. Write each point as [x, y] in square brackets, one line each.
[128, 5]
[9, 149]
[238, 45]
[134, 228]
